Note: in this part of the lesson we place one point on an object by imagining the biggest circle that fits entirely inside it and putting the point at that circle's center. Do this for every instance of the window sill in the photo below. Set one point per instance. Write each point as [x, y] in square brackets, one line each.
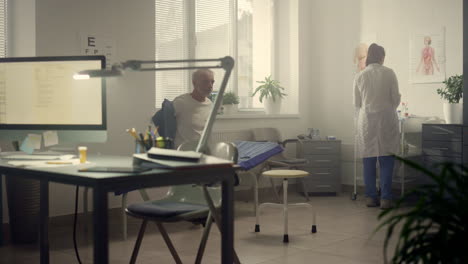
[257, 115]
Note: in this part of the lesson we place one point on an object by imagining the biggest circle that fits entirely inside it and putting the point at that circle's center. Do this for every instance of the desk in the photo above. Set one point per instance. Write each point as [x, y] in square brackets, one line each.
[102, 183]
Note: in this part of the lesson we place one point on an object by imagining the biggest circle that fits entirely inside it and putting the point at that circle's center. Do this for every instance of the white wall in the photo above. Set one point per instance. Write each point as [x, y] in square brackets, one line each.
[328, 31]
[21, 28]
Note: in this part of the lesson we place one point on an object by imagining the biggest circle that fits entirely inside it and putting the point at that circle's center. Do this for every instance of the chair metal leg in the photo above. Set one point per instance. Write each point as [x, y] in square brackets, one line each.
[304, 188]
[257, 209]
[255, 190]
[144, 194]
[124, 216]
[216, 217]
[169, 243]
[85, 208]
[314, 225]
[206, 232]
[141, 233]
[285, 210]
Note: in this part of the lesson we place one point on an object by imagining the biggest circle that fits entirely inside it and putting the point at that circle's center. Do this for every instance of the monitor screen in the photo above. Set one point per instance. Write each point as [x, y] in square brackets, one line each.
[40, 93]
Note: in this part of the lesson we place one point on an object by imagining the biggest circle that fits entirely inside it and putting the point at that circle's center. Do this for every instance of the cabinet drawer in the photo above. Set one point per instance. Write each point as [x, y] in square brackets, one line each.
[321, 147]
[322, 173]
[465, 156]
[442, 132]
[432, 160]
[465, 135]
[442, 148]
[321, 161]
[313, 185]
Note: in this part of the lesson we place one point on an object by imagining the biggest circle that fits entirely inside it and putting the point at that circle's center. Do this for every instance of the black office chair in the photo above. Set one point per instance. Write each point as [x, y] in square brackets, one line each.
[191, 203]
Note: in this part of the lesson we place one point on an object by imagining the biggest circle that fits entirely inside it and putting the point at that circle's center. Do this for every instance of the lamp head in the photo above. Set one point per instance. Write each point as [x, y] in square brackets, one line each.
[86, 74]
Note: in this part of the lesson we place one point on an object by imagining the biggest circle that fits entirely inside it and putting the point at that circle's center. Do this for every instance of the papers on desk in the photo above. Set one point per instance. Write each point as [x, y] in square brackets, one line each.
[24, 160]
[37, 157]
[44, 163]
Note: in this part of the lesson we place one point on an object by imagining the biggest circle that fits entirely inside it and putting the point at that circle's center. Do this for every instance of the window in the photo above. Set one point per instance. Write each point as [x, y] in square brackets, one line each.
[243, 29]
[3, 27]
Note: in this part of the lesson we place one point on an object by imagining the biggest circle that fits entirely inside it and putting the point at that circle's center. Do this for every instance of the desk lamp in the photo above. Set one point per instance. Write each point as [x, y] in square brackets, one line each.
[227, 63]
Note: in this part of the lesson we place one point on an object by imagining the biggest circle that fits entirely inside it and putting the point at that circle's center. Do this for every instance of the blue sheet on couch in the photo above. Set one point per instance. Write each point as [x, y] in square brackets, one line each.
[252, 153]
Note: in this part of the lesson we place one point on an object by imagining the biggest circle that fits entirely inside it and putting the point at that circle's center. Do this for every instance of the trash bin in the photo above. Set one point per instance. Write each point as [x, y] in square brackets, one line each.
[23, 207]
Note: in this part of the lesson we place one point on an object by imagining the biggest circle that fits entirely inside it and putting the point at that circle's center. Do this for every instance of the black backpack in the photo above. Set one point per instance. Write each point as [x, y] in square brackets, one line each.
[165, 120]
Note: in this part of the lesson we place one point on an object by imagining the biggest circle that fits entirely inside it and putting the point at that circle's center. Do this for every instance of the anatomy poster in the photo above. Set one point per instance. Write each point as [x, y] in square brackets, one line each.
[427, 56]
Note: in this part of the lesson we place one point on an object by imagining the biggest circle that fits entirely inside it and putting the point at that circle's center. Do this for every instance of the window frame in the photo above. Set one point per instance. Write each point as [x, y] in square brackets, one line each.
[190, 42]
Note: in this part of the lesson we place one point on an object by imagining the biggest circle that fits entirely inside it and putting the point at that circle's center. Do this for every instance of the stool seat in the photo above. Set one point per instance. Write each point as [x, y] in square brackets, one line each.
[285, 174]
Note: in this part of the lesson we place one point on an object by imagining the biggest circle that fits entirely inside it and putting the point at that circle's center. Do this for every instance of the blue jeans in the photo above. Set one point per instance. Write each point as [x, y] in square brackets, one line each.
[386, 171]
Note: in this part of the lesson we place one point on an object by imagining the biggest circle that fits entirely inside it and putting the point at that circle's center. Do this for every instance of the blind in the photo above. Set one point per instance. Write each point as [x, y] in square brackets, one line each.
[198, 29]
[3, 27]
[171, 44]
[214, 32]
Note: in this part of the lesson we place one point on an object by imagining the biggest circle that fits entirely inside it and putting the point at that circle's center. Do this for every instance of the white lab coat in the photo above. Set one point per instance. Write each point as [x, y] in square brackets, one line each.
[376, 98]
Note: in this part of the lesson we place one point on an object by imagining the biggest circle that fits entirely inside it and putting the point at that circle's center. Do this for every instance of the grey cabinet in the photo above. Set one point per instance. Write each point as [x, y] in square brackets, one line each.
[324, 164]
[443, 142]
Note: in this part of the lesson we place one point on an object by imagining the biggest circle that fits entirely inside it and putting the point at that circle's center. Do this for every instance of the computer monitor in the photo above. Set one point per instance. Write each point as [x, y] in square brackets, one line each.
[39, 94]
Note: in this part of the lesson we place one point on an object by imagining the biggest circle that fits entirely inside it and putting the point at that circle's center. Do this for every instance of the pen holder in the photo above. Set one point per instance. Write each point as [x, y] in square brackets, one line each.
[139, 148]
[166, 143]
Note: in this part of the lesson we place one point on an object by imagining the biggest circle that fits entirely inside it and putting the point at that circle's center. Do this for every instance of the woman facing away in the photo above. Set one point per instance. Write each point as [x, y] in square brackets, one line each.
[376, 98]
[428, 60]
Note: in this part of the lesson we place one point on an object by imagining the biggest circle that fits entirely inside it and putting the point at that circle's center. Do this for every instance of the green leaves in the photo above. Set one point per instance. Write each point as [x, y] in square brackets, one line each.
[453, 90]
[269, 88]
[435, 228]
[230, 98]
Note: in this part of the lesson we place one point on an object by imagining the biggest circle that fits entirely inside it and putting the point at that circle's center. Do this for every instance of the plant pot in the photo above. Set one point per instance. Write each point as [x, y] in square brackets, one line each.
[272, 107]
[453, 113]
[230, 109]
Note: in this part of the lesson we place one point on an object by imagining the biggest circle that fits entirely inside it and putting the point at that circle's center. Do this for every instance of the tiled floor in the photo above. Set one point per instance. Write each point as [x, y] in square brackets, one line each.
[344, 235]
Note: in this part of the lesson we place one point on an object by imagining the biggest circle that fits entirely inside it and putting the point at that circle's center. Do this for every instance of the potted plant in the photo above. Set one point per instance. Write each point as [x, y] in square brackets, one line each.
[452, 93]
[230, 102]
[435, 228]
[272, 92]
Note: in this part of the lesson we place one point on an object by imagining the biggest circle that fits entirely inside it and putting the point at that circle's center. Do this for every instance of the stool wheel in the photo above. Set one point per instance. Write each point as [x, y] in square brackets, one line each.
[286, 239]
[257, 228]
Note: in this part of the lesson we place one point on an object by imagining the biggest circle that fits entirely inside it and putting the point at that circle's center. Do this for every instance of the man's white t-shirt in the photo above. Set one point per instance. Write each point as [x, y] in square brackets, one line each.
[191, 116]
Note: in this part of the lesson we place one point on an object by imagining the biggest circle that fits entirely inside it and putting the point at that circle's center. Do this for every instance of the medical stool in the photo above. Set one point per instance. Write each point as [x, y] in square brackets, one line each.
[285, 175]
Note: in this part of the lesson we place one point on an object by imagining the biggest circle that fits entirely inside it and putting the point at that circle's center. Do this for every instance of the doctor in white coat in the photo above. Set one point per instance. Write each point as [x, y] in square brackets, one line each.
[376, 98]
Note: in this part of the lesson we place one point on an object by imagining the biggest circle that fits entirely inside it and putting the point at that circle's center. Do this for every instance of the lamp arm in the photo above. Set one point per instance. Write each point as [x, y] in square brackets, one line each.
[227, 64]
[136, 65]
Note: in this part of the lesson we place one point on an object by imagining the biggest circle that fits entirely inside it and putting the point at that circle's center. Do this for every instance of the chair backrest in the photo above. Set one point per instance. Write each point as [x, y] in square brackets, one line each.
[272, 134]
[193, 193]
[266, 134]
